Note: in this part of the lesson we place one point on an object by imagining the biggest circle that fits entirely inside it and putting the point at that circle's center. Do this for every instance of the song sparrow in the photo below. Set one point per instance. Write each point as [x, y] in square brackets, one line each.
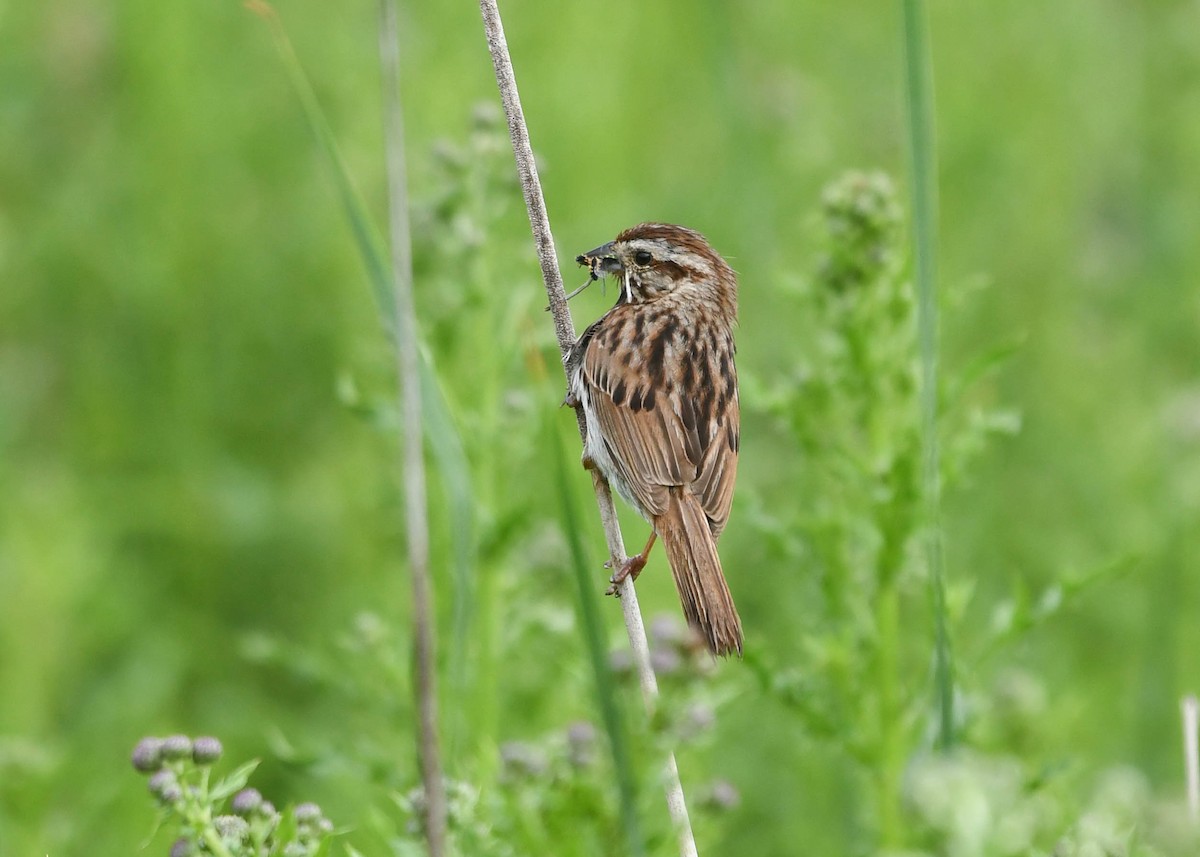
[656, 380]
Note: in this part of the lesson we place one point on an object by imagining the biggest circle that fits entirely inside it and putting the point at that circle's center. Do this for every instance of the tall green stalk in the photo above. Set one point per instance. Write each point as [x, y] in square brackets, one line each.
[438, 426]
[440, 430]
[923, 182]
[593, 627]
[891, 749]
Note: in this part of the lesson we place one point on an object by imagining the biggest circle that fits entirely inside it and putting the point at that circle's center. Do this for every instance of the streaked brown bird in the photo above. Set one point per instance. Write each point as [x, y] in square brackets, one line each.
[655, 377]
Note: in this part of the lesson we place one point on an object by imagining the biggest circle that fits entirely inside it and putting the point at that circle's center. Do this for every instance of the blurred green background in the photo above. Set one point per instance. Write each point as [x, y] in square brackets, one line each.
[198, 508]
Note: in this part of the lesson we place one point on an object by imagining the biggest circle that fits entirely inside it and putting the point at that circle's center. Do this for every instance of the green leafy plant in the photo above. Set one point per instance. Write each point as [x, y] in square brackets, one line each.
[853, 409]
[223, 817]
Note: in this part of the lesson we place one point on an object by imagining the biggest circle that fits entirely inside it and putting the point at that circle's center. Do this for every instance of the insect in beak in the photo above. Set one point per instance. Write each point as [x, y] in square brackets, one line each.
[593, 265]
[603, 260]
[593, 261]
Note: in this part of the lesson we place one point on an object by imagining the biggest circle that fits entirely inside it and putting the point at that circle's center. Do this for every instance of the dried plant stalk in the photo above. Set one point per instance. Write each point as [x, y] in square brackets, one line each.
[535, 203]
[409, 377]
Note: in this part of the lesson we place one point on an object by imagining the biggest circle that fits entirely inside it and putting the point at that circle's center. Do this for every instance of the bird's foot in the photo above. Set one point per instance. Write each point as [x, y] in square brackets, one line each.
[630, 569]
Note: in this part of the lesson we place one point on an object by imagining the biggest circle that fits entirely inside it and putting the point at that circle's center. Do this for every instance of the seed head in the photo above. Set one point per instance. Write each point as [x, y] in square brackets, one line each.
[147, 755]
[206, 750]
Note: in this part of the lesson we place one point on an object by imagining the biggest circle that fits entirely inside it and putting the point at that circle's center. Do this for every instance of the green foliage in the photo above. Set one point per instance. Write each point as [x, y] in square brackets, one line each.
[592, 625]
[560, 792]
[179, 771]
[855, 417]
[198, 523]
[972, 805]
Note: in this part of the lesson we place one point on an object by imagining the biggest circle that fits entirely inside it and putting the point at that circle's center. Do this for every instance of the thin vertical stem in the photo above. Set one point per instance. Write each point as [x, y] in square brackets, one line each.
[923, 179]
[597, 647]
[1190, 707]
[889, 767]
[539, 221]
[408, 376]
[393, 291]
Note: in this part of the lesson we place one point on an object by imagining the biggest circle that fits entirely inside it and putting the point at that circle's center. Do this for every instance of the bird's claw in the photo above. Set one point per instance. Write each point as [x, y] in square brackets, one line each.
[630, 569]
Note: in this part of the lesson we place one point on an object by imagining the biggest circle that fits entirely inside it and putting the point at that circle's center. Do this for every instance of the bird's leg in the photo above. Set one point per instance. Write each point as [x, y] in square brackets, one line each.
[632, 566]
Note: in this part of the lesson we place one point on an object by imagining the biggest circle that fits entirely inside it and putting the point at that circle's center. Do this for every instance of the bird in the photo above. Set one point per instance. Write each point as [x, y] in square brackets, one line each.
[656, 381]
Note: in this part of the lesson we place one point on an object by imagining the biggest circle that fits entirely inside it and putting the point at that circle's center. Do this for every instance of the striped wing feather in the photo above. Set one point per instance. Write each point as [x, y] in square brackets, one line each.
[670, 443]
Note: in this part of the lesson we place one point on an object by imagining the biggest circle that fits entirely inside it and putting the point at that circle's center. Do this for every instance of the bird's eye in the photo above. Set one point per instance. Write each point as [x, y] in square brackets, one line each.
[643, 257]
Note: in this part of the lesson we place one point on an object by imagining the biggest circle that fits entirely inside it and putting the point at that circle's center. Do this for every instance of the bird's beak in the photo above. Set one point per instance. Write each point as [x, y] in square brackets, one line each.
[600, 261]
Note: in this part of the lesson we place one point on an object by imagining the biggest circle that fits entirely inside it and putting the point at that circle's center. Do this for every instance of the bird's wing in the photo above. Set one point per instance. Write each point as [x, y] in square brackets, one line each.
[668, 415]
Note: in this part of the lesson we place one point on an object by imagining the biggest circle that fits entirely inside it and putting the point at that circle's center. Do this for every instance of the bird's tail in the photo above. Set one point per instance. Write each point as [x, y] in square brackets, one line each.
[692, 553]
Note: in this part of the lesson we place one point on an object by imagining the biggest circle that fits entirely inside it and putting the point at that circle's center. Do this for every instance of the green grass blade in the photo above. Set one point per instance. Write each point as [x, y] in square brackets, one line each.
[366, 235]
[923, 180]
[441, 432]
[593, 628]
